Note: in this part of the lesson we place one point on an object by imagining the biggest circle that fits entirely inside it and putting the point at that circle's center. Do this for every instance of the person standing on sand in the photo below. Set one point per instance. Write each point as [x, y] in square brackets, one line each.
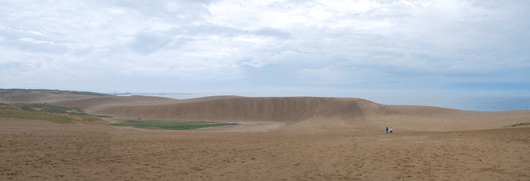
[386, 131]
[390, 129]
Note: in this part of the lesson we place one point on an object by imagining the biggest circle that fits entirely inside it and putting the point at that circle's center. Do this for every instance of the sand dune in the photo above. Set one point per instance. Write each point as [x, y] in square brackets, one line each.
[42, 150]
[294, 138]
[314, 112]
[285, 110]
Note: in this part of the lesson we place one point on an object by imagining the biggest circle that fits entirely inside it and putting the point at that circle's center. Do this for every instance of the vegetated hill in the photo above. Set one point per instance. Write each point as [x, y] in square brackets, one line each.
[43, 95]
[23, 97]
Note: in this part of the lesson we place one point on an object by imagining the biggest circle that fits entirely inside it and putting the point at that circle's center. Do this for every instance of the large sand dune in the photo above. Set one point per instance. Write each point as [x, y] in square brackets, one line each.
[302, 112]
[317, 139]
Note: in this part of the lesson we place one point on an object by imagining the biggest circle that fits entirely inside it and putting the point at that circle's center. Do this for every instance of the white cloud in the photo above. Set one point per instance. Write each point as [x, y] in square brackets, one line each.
[31, 40]
[315, 41]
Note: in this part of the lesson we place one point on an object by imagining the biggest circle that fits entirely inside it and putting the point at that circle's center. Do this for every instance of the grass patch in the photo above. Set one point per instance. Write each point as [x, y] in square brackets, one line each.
[30, 111]
[25, 107]
[514, 125]
[53, 110]
[87, 117]
[48, 108]
[170, 125]
[7, 106]
[84, 116]
[33, 115]
[5, 92]
[100, 116]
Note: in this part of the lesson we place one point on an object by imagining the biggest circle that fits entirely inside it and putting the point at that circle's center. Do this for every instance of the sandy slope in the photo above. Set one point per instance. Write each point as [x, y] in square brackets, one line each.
[301, 138]
[39, 150]
[311, 113]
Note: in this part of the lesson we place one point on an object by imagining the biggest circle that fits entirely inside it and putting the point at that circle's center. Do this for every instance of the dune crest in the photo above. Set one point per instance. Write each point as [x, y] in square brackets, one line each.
[307, 111]
[286, 110]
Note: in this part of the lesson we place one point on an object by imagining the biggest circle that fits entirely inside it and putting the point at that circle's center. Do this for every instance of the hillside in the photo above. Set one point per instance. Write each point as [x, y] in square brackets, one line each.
[347, 113]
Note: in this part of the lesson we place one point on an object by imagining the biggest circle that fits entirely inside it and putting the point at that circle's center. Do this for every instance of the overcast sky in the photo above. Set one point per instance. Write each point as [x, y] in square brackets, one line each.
[269, 47]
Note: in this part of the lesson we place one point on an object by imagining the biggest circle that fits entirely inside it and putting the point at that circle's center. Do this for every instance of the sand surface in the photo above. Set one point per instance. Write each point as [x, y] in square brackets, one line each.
[277, 139]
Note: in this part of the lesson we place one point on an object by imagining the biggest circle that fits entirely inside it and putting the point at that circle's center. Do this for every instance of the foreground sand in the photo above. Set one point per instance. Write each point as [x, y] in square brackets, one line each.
[39, 150]
[278, 139]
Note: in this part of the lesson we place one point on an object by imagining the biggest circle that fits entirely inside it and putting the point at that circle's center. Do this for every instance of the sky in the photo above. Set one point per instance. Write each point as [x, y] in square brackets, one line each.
[367, 49]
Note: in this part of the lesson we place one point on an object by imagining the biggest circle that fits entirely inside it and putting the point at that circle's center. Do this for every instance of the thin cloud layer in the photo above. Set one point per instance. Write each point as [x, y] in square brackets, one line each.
[289, 44]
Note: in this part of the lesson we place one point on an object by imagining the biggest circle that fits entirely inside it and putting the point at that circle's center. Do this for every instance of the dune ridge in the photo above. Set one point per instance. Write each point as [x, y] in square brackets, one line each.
[278, 138]
[284, 110]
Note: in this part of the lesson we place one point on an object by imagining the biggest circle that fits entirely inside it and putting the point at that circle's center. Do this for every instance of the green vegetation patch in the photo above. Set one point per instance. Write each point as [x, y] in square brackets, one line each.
[170, 125]
[101, 116]
[6, 113]
[87, 117]
[25, 107]
[7, 106]
[5, 92]
[46, 108]
[30, 111]
[514, 125]
[49, 108]
[84, 116]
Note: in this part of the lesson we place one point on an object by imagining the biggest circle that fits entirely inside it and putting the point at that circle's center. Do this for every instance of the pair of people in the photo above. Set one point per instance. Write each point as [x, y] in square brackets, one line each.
[388, 130]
